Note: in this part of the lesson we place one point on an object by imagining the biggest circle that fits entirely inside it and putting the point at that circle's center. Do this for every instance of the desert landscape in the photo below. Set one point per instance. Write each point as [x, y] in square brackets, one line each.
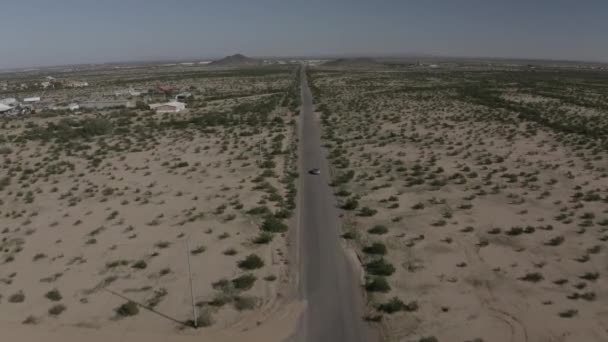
[472, 198]
[104, 210]
[475, 196]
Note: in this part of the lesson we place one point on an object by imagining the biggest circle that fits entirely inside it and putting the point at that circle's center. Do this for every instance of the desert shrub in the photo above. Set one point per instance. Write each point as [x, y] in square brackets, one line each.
[273, 225]
[56, 310]
[271, 277]
[376, 248]
[244, 303]
[157, 298]
[367, 211]
[378, 230]
[350, 204]
[418, 206]
[259, 211]
[568, 313]
[140, 265]
[591, 276]
[39, 256]
[230, 251]
[350, 235]
[282, 214]
[556, 241]
[221, 299]
[53, 295]
[251, 262]
[30, 320]
[162, 244]
[18, 297]
[532, 277]
[263, 238]
[428, 339]
[128, 309]
[342, 193]
[377, 284]
[244, 282]
[395, 304]
[205, 319]
[198, 250]
[380, 267]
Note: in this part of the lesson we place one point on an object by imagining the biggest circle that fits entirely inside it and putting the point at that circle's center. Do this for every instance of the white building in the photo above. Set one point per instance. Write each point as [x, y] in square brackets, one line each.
[73, 106]
[169, 107]
[31, 99]
[76, 84]
[5, 108]
[12, 102]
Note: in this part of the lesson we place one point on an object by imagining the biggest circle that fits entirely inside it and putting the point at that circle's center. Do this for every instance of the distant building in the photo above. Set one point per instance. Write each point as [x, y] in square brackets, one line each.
[165, 88]
[5, 108]
[31, 99]
[12, 102]
[183, 97]
[169, 107]
[129, 92]
[45, 84]
[76, 84]
[73, 106]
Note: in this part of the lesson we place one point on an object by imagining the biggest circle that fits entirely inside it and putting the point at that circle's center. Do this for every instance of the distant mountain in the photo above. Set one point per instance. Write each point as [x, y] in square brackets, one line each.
[236, 60]
[361, 62]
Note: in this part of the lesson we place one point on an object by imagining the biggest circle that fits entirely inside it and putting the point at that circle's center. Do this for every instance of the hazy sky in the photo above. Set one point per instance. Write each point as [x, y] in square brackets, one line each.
[50, 32]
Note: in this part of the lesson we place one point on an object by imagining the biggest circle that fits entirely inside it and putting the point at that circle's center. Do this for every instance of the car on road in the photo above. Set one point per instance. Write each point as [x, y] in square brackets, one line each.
[315, 171]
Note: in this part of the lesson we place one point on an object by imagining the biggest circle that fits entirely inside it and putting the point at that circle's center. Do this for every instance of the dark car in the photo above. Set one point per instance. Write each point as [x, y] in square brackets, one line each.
[315, 171]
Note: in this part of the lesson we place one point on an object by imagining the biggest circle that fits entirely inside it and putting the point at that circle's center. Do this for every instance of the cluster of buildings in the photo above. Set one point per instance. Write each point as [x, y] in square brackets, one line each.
[175, 106]
[47, 83]
[11, 106]
[155, 99]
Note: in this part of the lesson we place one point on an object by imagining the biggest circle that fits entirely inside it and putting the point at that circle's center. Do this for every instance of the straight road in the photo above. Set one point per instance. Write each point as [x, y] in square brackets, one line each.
[328, 282]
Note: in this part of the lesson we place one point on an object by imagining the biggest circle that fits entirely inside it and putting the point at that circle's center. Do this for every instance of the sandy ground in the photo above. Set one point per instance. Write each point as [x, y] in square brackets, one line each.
[85, 230]
[496, 232]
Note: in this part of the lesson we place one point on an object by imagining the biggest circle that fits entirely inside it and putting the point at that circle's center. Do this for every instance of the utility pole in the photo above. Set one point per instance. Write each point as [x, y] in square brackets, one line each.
[195, 320]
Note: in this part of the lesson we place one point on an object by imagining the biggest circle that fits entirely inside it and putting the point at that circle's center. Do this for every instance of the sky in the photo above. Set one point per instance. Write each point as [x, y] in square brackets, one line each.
[58, 32]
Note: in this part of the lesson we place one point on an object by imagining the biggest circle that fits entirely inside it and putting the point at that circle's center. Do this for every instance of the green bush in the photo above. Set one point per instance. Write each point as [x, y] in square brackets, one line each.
[273, 225]
[18, 297]
[244, 303]
[377, 284]
[56, 310]
[53, 295]
[378, 230]
[251, 262]
[380, 267]
[367, 211]
[350, 204]
[140, 265]
[395, 304]
[377, 248]
[128, 309]
[259, 211]
[244, 282]
[532, 277]
[198, 250]
[263, 238]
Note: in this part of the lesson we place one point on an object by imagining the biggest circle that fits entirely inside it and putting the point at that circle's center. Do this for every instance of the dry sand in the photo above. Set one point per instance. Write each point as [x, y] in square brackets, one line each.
[105, 233]
[472, 209]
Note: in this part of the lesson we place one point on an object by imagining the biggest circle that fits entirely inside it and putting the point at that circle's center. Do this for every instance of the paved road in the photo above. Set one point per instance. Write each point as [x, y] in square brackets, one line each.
[327, 281]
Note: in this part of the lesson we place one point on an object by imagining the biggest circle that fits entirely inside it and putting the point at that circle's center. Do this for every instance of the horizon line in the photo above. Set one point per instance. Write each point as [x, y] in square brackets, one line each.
[153, 60]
